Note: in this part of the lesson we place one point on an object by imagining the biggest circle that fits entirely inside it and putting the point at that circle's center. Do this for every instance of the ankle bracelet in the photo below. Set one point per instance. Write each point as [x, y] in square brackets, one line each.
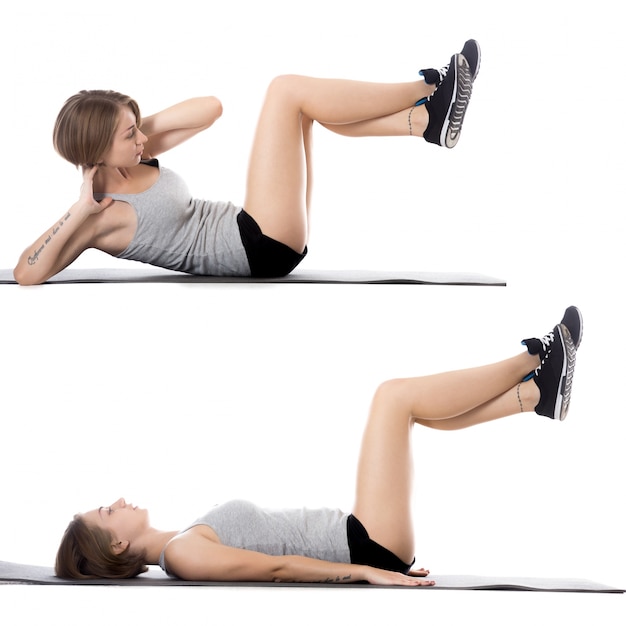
[410, 113]
[521, 408]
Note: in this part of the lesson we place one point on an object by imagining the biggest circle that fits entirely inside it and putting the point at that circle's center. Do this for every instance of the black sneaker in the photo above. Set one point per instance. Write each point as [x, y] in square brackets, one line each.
[555, 374]
[432, 77]
[573, 319]
[540, 346]
[447, 106]
[471, 51]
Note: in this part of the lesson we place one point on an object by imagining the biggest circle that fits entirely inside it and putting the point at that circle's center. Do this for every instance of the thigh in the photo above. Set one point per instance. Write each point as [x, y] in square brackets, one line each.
[385, 472]
[276, 192]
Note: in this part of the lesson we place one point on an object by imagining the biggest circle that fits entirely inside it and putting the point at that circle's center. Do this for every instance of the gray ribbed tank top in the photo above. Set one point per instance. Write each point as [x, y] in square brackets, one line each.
[181, 233]
[316, 533]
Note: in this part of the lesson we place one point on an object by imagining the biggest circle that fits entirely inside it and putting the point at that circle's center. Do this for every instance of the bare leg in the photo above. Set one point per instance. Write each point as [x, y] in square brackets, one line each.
[521, 398]
[460, 398]
[394, 125]
[277, 184]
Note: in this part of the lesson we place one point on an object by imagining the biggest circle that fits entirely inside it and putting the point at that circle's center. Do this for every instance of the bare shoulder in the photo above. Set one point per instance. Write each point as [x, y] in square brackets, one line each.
[190, 553]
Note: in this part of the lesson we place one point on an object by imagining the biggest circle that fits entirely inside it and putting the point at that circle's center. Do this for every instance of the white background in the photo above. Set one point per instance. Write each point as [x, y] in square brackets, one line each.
[178, 397]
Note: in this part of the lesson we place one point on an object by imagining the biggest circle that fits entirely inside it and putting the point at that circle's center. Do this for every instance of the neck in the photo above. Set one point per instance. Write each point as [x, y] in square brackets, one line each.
[111, 178]
[106, 172]
[154, 543]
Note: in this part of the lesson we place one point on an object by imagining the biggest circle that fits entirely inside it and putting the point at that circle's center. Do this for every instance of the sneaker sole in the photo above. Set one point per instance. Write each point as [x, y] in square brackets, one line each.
[443, 133]
[573, 317]
[567, 375]
[473, 43]
[451, 130]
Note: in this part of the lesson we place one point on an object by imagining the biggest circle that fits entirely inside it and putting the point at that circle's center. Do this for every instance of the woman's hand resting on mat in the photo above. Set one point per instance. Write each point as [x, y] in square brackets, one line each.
[414, 578]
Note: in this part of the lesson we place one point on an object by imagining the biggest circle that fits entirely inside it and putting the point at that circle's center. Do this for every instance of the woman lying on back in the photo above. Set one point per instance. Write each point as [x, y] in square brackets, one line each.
[239, 541]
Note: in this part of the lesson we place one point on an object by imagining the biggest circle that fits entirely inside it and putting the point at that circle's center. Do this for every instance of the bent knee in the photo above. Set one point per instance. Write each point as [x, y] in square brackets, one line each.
[392, 390]
[284, 86]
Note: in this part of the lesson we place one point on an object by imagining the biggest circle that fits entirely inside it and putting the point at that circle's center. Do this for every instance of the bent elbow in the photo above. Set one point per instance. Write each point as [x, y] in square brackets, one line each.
[25, 278]
[217, 105]
[214, 109]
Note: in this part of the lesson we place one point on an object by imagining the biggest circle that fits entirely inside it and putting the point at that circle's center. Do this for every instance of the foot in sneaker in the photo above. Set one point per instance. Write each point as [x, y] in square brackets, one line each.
[540, 346]
[471, 51]
[447, 105]
[432, 77]
[555, 374]
[572, 319]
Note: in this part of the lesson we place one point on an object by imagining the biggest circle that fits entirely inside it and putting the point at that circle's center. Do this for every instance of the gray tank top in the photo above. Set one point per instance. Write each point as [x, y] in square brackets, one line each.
[316, 533]
[181, 233]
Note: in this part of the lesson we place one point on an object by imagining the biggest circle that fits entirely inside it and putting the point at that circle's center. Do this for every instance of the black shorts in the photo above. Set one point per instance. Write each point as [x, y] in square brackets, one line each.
[267, 257]
[365, 551]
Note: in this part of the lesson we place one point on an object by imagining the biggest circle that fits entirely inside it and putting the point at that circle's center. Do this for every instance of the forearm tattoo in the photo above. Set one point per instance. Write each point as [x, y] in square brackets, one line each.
[55, 229]
[336, 579]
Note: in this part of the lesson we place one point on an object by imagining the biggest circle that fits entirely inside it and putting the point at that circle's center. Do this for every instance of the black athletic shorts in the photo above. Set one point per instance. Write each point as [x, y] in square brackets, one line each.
[365, 551]
[267, 257]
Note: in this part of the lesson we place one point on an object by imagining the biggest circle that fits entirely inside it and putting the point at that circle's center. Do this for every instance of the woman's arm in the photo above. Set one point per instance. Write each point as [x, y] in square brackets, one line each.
[196, 558]
[180, 122]
[65, 240]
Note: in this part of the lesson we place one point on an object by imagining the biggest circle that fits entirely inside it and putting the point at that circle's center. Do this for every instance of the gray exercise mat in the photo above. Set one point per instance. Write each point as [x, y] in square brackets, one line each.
[16, 573]
[158, 275]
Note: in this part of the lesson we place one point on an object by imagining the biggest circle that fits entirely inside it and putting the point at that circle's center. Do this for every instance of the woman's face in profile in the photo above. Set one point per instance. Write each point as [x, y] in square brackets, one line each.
[128, 142]
[123, 520]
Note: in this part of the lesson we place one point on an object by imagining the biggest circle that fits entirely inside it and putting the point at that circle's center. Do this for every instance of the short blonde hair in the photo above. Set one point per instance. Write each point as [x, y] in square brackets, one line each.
[85, 126]
[85, 552]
